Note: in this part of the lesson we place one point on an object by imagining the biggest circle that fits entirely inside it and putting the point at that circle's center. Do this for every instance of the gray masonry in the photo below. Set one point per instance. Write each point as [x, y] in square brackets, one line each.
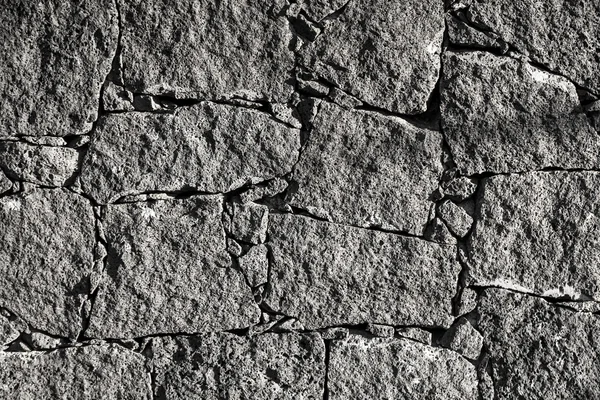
[299, 199]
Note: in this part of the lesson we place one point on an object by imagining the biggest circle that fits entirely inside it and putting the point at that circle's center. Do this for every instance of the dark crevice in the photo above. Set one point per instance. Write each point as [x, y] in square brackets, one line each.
[483, 175]
[462, 15]
[480, 288]
[326, 375]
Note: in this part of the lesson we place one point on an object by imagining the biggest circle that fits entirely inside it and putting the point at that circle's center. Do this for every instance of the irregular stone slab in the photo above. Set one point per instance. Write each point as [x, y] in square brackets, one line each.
[460, 188]
[456, 217]
[209, 147]
[538, 350]
[42, 165]
[207, 49]
[326, 275]
[566, 39]
[460, 34]
[54, 58]
[8, 331]
[538, 232]
[464, 339]
[168, 271]
[366, 169]
[89, 372]
[397, 369]
[255, 265]
[376, 51]
[219, 366]
[5, 183]
[503, 115]
[46, 257]
[249, 222]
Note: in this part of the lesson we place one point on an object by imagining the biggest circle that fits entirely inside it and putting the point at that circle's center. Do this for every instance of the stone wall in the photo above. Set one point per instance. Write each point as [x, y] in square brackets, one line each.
[303, 199]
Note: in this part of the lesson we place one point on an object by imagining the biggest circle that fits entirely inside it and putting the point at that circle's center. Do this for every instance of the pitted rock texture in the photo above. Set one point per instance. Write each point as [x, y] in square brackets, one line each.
[90, 372]
[326, 274]
[226, 366]
[54, 58]
[299, 199]
[167, 259]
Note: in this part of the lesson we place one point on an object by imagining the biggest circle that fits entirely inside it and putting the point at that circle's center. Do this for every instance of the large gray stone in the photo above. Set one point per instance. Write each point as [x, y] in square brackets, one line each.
[168, 271]
[207, 49]
[563, 35]
[538, 232]
[538, 350]
[91, 372]
[385, 53]
[326, 274]
[503, 115]
[398, 369]
[43, 165]
[54, 57]
[226, 366]
[209, 147]
[46, 257]
[367, 169]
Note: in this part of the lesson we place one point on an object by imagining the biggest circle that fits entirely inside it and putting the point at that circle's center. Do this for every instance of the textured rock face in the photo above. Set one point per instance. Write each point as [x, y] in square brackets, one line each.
[537, 349]
[565, 36]
[326, 274]
[46, 257]
[386, 54]
[217, 366]
[53, 60]
[503, 115]
[397, 369]
[299, 199]
[209, 147]
[167, 260]
[365, 169]
[43, 165]
[538, 232]
[248, 56]
[91, 372]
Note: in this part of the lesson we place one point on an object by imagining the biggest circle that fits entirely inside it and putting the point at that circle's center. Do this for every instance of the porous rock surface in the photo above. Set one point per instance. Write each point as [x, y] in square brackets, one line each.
[304, 199]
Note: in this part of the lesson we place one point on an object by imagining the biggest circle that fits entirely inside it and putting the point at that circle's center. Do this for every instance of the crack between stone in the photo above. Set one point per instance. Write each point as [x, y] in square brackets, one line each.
[481, 28]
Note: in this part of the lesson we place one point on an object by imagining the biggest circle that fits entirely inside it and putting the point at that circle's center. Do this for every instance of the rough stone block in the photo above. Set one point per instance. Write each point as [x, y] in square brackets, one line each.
[367, 169]
[168, 271]
[326, 274]
[208, 147]
[216, 366]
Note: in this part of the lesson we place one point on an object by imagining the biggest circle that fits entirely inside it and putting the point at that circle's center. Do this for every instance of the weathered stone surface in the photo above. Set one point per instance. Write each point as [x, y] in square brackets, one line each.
[249, 222]
[438, 232]
[54, 58]
[8, 331]
[367, 169]
[538, 232]
[381, 330]
[459, 189]
[89, 372]
[503, 115]
[460, 34]
[464, 339]
[46, 256]
[219, 366]
[326, 274]
[565, 36]
[168, 271]
[207, 49]
[386, 54]
[456, 217]
[418, 334]
[43, 165]
[116, 98]
[397, 369]
[538, 350]
[255, 265]
[5, 183]
[268, 189]
[209, 147]
[319, 9]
